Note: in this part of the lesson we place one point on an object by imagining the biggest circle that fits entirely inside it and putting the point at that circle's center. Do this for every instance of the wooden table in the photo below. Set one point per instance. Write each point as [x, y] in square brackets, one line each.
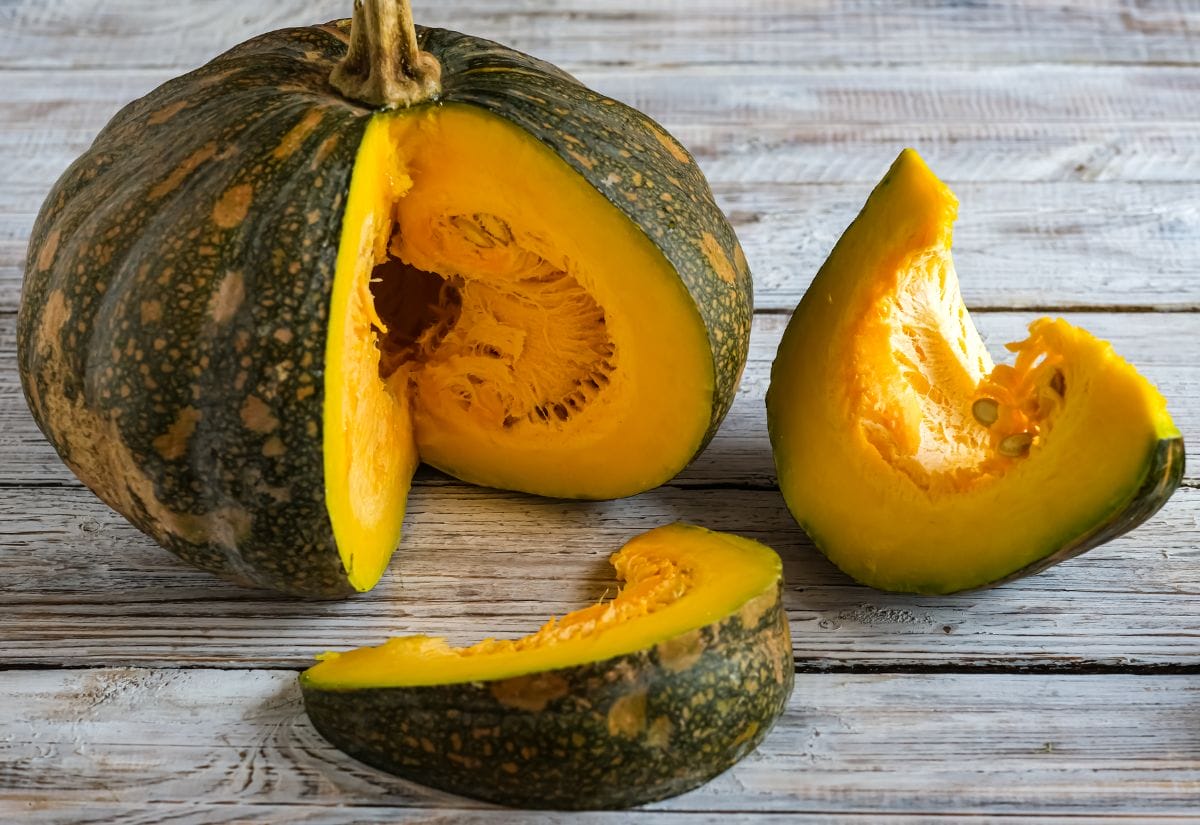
[133, 688]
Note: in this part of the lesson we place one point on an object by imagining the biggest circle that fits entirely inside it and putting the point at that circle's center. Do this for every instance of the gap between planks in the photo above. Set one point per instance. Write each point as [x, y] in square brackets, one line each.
[1045, 669]
[88, 589]
[242, 813]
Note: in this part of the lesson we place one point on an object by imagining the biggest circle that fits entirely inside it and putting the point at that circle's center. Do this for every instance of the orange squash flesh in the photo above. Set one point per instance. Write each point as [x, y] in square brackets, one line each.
[914, 462]
[558, 352]
[677, 578]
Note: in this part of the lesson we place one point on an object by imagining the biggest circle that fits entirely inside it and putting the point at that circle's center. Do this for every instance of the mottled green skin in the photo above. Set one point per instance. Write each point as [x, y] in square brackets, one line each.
[173, 325]
[569, 740]
[129, 322]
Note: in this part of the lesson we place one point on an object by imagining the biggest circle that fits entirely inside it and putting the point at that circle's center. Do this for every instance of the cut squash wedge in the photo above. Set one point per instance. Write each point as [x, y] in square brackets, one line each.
[916, 463]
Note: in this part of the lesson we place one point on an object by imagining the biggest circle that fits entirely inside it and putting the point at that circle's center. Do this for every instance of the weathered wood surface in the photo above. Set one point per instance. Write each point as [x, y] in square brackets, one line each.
[133, 34]
[81, 587]
[766, 124]
[192, 813]
[1070, 132]
[161, 741]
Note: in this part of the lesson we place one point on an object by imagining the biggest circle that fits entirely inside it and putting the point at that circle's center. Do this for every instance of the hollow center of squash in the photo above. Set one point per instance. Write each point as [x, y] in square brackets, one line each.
[494, 316]
[417, 309]
[499, 332]
[925, 391]
[677, 578]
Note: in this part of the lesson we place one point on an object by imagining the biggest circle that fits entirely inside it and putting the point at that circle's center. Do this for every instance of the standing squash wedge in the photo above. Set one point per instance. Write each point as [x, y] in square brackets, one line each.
[274, 285]
[618, 704]
[913, 461]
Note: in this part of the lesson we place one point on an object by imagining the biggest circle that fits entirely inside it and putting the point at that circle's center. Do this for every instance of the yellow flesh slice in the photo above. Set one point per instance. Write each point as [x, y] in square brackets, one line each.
[562, 356]
[880, 456]
[677, 578]
[370, 453]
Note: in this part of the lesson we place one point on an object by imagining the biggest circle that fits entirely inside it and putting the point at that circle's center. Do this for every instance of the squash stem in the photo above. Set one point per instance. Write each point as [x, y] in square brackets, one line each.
[384, 66]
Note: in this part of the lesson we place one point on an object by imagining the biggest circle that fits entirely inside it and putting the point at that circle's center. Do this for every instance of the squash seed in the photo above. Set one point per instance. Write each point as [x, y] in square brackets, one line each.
[472, 231]
[495, 228]
[986, 411]
[1058, 383]
[1016, 445]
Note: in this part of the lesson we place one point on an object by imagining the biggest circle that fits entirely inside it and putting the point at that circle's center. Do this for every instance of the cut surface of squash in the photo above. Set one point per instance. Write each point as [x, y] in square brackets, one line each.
[677, 578]
[497, 318]
[914, 461]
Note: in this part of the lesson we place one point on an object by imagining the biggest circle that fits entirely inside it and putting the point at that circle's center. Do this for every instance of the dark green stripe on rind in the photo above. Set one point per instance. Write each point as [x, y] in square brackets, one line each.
[611, 734]
[174, 315]
[631, 161]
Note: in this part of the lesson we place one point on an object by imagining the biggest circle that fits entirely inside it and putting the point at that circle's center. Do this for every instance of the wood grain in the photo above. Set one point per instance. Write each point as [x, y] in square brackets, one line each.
[821, 138]
[199, 813]
[752, 124]
[128, 33]
[1070, 133]
[476, 562]
[740, 455]
[81, 587]
[969, 744]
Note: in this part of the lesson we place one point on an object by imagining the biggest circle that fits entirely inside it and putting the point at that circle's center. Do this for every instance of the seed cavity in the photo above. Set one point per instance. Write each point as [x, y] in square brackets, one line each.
[1016, 445]
[419, 308]
[986, 411]
[504, 334]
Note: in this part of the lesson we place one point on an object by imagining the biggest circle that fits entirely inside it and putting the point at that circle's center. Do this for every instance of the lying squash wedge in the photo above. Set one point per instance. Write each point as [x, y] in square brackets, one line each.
[916, 464]
[274, 285]
[624, 702]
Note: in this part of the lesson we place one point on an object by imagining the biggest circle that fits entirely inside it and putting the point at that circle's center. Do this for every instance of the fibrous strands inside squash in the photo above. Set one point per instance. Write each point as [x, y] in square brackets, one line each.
[927, 394]
[500, 331]
[676, 578]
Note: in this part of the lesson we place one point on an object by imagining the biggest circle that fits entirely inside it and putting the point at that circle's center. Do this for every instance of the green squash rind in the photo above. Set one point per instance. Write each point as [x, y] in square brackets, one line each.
[573, 740]
[171, 344]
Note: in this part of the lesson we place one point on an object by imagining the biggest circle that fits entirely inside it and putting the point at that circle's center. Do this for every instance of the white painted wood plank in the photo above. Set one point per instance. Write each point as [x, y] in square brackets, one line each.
[857, 744]
[81, 587]
[773, 148]
[75, 33]
[747, 96]
[1018, 245]
[754, 124]
[1161, 345]
[794, 152]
